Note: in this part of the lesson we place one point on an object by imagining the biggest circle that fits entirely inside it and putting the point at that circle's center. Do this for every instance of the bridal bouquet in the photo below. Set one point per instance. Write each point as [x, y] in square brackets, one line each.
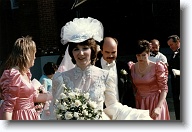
[74, 105]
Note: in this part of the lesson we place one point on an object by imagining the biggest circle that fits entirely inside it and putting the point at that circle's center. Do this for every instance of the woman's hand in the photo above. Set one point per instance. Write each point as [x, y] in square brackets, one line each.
[49, 96]
[0, 94]
[155, 113]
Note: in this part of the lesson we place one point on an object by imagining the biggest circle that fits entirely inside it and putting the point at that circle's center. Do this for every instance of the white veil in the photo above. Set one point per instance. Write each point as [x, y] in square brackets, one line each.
[66, 63]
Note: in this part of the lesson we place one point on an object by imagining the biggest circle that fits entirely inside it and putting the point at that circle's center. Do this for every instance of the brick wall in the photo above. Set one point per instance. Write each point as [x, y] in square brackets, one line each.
[47, 26]
[43, 19]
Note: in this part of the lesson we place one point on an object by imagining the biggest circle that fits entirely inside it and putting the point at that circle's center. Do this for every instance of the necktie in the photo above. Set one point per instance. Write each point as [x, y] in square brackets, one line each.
[152, 54]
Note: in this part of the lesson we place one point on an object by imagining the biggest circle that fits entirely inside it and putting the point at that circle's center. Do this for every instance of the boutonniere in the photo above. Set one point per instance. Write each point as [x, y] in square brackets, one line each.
[123, 72]
[175, 53]
[124, 75]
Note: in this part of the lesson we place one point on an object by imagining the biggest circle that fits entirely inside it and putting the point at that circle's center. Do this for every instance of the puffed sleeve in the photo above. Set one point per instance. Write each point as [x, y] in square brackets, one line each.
[162, 75]
[10, 85]
[117, 111]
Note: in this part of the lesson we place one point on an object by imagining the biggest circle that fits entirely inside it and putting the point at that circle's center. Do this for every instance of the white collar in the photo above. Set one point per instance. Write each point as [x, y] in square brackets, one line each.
[104, 63]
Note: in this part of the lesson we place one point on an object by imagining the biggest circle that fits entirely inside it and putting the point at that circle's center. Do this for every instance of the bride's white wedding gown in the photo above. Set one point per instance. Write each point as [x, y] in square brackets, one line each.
[101, 87]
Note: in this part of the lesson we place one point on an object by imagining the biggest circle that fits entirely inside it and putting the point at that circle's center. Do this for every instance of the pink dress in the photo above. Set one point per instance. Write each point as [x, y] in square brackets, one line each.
[149, 88]
[18, 95]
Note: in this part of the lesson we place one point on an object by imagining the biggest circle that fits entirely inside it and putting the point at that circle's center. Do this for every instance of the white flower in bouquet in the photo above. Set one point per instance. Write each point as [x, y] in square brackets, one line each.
[84, 106]
[59, 116]
[77, 90]
[74, 105]
[90, 115]
[92, 104]
[56, 101]
[72, 95]
[81, 118]
[86, 95]
[68, 115]
[85, 112]
[76, 114]
[63, 85]
[62, 96]
[78, 103]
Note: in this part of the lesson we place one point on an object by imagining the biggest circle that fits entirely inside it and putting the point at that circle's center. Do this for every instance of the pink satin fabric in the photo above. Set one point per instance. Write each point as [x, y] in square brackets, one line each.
[149, 88]
[18, 96]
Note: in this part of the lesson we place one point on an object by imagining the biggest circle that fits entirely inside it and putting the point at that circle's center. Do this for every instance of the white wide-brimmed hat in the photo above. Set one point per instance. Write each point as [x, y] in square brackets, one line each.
[81, 29]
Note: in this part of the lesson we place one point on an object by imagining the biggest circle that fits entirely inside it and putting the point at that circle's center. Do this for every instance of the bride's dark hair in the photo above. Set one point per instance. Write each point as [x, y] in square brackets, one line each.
[91, 43]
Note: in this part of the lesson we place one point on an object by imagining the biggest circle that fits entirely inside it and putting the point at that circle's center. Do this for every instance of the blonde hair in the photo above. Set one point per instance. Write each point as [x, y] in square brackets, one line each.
[21, 54]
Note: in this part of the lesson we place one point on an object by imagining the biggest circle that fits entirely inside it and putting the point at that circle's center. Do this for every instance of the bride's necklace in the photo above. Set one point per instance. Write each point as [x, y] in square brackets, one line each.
[142, 72]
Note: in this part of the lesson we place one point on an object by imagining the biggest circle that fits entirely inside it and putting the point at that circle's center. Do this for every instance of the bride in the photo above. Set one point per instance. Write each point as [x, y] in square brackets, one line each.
[82, 35]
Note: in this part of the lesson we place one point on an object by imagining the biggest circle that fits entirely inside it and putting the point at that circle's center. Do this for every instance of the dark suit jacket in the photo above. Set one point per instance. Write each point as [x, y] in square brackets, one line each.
[174, 63]
[125, 87]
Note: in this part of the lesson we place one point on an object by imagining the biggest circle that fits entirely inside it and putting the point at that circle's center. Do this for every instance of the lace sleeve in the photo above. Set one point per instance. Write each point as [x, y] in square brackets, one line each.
[56, 86]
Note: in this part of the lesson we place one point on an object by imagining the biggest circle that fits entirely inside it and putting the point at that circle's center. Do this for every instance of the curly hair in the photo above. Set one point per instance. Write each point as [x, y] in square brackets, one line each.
[142, 45]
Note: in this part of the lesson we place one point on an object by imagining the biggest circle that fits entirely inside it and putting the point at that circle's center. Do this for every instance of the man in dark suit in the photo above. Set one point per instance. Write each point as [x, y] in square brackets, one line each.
[173, 42]
[125, 92]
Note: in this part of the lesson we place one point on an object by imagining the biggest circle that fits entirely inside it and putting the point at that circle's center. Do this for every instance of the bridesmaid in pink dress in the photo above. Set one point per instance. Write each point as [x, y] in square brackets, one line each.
[17, 91]
[150, 80]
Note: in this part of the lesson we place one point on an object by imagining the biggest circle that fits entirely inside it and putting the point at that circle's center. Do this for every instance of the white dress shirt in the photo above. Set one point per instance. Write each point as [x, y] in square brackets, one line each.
[112, 67]
[158, 57]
